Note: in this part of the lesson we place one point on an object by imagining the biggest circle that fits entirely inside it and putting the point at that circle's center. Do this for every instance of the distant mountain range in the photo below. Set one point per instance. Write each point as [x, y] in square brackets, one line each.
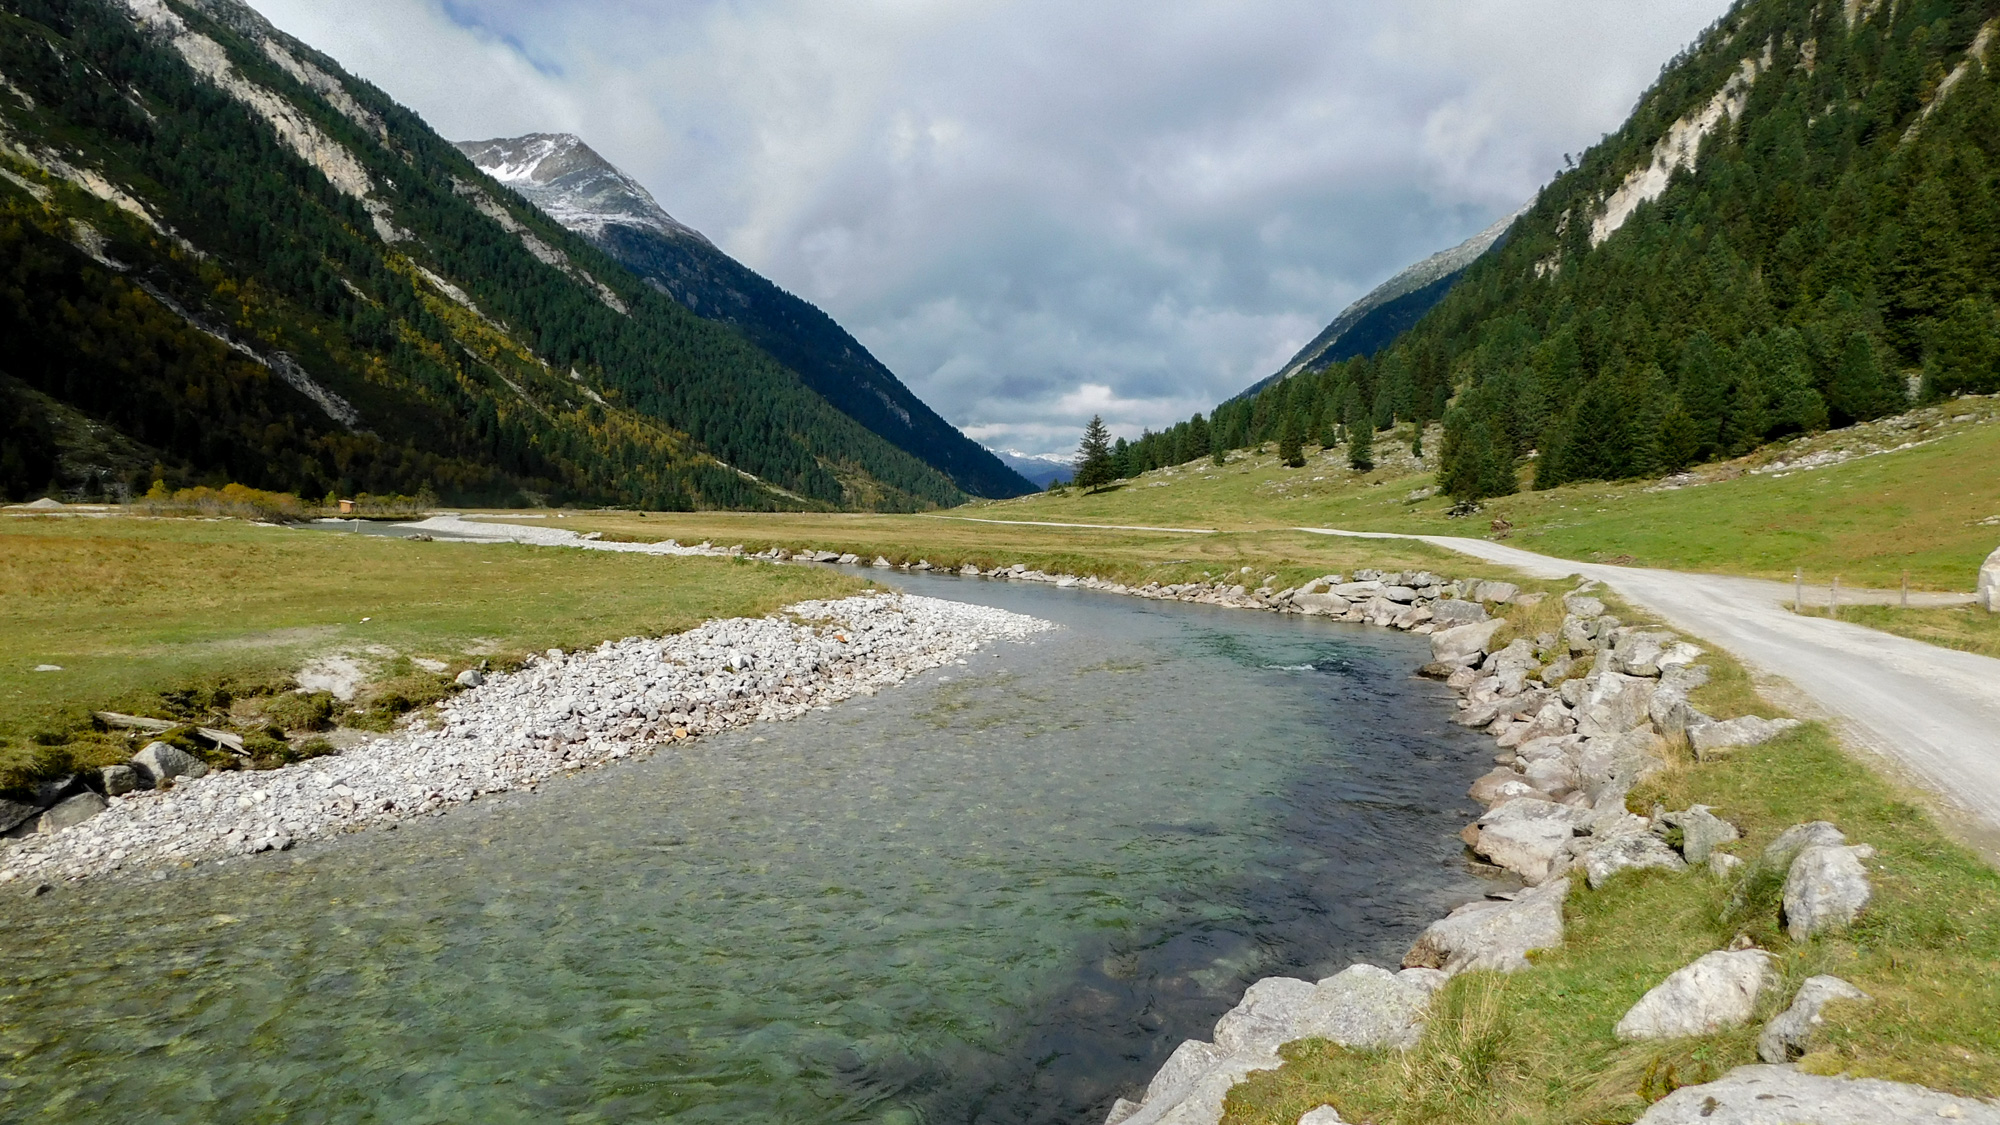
[1040, 468]
[576, 187]
[225, 259]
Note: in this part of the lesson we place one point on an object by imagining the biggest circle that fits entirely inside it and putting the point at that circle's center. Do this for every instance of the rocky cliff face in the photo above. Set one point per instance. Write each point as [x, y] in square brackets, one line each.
[576, 187]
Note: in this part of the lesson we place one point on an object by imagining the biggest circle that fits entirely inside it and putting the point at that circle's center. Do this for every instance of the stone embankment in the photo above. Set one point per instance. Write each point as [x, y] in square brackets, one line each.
[561, 712]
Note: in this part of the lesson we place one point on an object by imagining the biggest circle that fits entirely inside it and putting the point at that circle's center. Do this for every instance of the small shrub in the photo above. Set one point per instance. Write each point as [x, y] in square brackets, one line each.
[300, 710]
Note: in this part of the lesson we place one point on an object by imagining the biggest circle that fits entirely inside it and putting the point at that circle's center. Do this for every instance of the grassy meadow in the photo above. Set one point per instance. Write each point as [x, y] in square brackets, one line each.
[211, 620]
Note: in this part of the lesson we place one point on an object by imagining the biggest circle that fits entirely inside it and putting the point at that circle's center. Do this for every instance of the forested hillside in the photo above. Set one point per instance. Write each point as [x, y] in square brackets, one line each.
[580, 189]
[223, 259]
[1799, 227]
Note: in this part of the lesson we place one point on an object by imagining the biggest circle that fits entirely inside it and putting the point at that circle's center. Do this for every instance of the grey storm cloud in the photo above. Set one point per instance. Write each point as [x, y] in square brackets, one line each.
[1037, 210]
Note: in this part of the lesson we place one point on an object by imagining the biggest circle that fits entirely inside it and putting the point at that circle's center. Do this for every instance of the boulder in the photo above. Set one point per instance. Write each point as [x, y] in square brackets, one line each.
[1527, 837]
[1553, 775]
[1612, 703]
[118, 780]
[1789, 1034]
[1265, 1018]
[1120, 1111]
[14, 813]
[160, 762]
[1195, 1096]
[1490, 591]
[1989, 583]
[1780, 852]
[1637, 652]
[70, 813]
[1465, 643]
[1451, 612]
[1499, 785]
[1718, 990]
[1768, 1095]
[470, 678]
[1608, 768]
[1825, 889]
[1324, 1115]
[1365, 1007]
[1711, 738]
[1493, 934]
[1722, 865]
[1629, 853]
[1321, 605]
[1701, 831]
[1401, 595]
[1584, 606]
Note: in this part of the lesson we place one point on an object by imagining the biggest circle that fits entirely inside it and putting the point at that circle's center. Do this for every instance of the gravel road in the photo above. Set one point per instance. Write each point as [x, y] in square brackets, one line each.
[1932, 711]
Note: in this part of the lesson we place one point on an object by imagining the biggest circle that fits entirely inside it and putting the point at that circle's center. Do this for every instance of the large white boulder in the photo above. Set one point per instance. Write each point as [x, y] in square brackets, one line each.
[1716, 991]
[1366, 1007]
[1989, 583]
[1631, 852]
[1709, 738]
[1528, 837]
[1464, 643]
[1266, 1017]
[1493, 934]
[1826, 888]
[1613, 703]
[160, 762]
[1782, 1095]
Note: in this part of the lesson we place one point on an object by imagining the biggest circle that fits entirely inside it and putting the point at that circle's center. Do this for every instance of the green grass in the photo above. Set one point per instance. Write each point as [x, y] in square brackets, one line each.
[1965, 628]
[157, 617]
[1930, 510]
[1537, 1047]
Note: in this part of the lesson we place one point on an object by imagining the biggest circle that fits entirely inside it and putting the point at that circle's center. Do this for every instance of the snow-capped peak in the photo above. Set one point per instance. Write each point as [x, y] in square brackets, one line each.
[573, 185]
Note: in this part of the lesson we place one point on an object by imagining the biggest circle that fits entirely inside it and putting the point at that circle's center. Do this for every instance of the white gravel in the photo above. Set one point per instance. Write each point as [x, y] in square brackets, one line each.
[561, 712]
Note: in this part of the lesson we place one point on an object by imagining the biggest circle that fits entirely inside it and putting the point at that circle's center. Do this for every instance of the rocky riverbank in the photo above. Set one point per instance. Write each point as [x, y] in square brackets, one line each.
[559, 713]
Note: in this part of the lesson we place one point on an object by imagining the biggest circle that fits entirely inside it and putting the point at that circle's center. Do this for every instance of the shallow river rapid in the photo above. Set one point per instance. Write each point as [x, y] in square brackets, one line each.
[1001, 893]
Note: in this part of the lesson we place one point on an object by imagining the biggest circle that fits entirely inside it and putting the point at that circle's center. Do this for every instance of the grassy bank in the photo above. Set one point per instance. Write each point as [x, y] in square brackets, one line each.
[1537, 1047]
[1933, 509]
[211, 621]
[1965, 628]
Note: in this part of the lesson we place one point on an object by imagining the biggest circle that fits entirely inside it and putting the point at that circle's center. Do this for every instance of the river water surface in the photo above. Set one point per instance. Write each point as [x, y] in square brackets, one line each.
[1001, 893]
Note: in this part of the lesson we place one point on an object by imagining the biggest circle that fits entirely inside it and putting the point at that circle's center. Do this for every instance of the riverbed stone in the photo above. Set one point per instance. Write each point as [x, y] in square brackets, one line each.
[118, 780]
[1121, 1110]
[1533, 846]
[1495, 591]
[160, 762]
[1788, 1035]
[1493, 934]
[1826, 889]
[1716, 991]
[70, 813]
[1583, 606]
[1321, 605]
[1196, 1092]
[1632, 852]
[1464, 643]
[13, 813]
[1784, 1095]
[1500, 785]
[1714, 737]
[470, 678]
[1608, 768]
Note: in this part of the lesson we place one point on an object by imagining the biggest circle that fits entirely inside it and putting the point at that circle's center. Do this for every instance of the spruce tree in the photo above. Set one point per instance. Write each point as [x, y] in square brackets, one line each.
[1862, 387]
[1291, 448]
[1196, 445]
[1361, 446]
[1093, 456]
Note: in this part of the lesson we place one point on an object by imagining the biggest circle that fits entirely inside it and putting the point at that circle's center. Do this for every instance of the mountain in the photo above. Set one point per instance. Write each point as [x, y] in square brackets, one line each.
[1039, 468]
[1798, 227]
[1393, 307]
[585, 193]
[224, 259]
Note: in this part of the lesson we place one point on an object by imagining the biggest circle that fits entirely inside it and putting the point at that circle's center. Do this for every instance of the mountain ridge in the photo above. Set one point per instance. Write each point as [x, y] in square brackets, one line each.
[577, 187]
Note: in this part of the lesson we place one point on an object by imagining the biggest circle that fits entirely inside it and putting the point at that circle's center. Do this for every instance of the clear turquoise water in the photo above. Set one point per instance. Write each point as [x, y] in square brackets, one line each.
[1002, 893]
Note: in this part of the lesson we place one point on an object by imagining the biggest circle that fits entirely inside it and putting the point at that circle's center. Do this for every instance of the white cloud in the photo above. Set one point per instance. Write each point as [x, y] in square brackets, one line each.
[1012, 202]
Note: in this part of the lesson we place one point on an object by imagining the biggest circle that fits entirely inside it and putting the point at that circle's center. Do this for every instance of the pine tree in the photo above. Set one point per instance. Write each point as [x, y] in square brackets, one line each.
[1862, 388]
[1219, 455]
[1291, 448]
[1963, 353]
[1093, 457]
[1361, 446]
[1196, 445]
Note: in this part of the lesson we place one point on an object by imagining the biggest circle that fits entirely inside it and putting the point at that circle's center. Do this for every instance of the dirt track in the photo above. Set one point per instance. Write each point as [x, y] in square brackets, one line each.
[1932, 711]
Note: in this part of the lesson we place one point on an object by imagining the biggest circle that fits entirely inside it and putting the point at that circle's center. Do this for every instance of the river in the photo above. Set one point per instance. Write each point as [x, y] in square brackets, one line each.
[1001, 893]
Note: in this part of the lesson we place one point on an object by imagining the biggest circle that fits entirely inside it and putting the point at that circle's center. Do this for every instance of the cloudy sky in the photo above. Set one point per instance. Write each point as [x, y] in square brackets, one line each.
[1036, 210]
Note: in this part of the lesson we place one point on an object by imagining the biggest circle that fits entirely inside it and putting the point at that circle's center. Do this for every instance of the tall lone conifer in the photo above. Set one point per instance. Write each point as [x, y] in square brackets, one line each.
[1291, 447]
[1361, 445]
[1093, 456]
